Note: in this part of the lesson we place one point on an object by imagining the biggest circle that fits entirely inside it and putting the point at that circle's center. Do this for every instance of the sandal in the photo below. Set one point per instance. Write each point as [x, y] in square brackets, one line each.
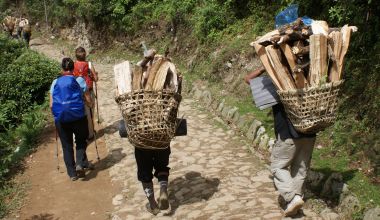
[154, 211]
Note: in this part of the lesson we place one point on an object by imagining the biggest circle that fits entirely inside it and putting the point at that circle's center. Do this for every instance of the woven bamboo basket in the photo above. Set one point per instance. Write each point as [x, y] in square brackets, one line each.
[312, 109]
[150, 117]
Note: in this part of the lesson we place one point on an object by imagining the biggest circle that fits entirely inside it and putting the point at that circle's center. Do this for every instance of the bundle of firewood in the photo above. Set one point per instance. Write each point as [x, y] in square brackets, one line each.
[298, 56]
[154, 73]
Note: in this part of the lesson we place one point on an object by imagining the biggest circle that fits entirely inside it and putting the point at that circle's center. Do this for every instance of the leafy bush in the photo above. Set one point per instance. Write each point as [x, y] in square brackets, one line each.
[25, 77]
[24, 82]
[9, 51]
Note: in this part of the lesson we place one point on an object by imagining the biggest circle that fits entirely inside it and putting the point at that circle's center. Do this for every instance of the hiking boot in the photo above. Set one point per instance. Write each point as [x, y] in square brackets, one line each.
[74, 178]
[163, 202]
[293, 206]
[154, 211]
[80, 171]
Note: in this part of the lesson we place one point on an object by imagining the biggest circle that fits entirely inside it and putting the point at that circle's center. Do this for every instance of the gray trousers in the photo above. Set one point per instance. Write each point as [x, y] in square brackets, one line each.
[290, 161]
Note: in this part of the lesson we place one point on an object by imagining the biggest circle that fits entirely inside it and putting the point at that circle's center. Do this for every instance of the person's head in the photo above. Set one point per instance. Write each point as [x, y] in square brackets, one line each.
[67, 64]
[80, 54]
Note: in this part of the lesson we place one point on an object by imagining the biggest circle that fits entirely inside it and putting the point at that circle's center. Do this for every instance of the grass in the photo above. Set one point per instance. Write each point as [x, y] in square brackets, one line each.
[11, 195]
[326, 160]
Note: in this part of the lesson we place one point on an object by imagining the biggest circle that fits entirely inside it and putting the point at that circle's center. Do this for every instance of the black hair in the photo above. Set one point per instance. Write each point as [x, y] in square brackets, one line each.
[67, 64]
[80, 54]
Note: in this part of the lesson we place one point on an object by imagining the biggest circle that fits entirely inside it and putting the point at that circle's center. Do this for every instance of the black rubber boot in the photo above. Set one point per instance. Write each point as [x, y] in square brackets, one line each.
[163, 200]
[152, 206]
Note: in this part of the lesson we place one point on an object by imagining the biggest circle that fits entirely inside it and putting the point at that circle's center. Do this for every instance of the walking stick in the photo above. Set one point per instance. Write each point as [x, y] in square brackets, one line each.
[97, 100]
[96, 146]
[56, 148]
[96, 92]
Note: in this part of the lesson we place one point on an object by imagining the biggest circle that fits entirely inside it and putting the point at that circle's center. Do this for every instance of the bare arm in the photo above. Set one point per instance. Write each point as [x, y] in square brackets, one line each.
[94, 74]
[253, 74]
[50, 101]
[87, 99]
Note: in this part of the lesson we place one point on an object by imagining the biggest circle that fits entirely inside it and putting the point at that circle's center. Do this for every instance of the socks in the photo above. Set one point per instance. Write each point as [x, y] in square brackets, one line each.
[163, 185]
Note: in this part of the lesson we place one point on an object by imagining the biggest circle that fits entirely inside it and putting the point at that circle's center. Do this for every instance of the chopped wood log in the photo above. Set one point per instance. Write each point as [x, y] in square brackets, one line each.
[298, 76]
[174, 81]
[161, 76]
[260, 50]
[318, 59]
[266, 38]
[137, 77]
[335, 42]
[152, 70]
[346, 34]
[123, 77]
[282, 72]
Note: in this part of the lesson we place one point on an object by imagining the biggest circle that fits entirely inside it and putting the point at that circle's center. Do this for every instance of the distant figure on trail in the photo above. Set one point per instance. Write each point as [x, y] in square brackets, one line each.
[86, 70]
[26, 34]
[68, 97]
[9, 24]
[21, 23]
[290, 157]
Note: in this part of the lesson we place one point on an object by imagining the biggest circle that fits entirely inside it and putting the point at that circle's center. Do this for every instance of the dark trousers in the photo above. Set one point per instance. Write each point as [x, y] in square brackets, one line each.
[66, 131]
[147, 160]
[26, 37]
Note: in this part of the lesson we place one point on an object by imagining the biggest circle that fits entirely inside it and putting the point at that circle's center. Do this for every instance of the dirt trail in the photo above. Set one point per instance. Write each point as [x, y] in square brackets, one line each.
[52, 195]
[213, 175]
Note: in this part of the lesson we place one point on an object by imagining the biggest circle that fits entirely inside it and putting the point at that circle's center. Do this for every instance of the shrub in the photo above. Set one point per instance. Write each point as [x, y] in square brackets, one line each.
[24, 82]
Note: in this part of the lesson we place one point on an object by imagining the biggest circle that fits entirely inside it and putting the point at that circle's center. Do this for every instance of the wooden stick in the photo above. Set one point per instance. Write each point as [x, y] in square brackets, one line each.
[152, 72]
[335, 42]
[318, 59]
[123, 77]
[298, 76]
[346, 34]
[161, 76]
[284, 76]
[260, 50]
[137, 75]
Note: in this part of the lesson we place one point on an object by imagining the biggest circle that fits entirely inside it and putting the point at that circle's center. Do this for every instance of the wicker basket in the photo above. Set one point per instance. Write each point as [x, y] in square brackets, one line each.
[312, 109]
[150, 117]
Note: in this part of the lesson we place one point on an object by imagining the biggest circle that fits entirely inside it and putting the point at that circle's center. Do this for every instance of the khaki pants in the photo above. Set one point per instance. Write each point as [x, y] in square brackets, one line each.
[290, 161]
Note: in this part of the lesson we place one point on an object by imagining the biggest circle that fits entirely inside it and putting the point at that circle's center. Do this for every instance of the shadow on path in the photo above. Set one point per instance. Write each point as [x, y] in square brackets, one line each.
[114, 157]
[44, 216]
[190, 188]
[110, 129]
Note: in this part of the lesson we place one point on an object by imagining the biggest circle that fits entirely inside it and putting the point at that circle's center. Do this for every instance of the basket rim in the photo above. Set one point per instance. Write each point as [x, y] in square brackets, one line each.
[312, 88]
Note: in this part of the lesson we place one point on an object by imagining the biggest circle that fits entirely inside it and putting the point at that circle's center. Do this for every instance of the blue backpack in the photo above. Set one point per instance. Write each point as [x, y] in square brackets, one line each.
[68, 104]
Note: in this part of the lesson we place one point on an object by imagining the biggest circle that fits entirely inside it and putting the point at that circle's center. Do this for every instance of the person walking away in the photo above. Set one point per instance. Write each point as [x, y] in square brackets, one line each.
[26, 34]
[83, 69]
[9, 25]
[147, 160]
[68, 96]
[21, 24]
[290, 156]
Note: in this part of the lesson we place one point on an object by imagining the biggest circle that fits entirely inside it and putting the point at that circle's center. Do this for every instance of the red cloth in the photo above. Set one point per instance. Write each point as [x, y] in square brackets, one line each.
[82, 69]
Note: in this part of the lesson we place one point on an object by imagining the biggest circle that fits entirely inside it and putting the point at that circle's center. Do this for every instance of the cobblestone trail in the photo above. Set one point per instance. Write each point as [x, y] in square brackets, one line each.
[213, 175]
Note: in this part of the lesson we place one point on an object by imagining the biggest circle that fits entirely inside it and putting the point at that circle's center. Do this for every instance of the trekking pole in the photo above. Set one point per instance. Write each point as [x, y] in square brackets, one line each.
[56, 148]
[96, 92]
[96, 146]
[97, 100]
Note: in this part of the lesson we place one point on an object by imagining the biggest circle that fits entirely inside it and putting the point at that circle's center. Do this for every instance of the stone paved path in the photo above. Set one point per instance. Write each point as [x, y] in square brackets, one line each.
[213, 175]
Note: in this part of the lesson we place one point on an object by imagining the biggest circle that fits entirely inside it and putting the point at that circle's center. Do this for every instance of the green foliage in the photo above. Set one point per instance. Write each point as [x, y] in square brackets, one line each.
[24, 82]
[211, 18]
[25, 77]
[9, 51]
